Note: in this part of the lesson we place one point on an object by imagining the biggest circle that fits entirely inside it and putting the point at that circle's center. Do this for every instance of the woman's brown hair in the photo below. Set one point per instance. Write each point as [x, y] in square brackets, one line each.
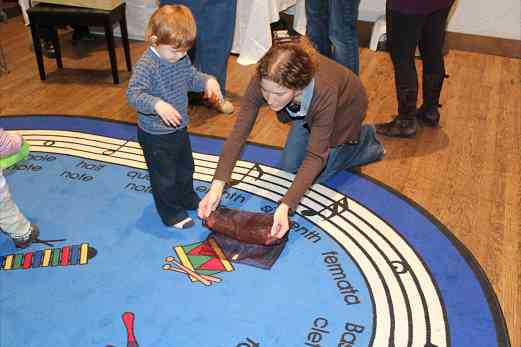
[173, 25]
[291, 63]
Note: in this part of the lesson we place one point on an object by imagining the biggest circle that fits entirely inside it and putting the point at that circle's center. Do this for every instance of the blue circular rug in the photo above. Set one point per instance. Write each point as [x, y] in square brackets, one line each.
[364, 266]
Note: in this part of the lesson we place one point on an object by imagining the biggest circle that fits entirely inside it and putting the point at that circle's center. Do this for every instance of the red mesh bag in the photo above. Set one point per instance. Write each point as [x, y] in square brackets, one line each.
[246, 226]
[244, 237]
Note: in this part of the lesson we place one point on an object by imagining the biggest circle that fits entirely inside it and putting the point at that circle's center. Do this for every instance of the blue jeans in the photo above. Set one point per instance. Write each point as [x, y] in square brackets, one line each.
[171, 168]
[368, 149]
[12, 221]
[331, 26]
[215, 27]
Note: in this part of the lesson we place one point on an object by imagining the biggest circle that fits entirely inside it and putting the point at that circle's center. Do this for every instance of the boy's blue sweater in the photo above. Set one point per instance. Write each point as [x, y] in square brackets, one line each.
[155, 78]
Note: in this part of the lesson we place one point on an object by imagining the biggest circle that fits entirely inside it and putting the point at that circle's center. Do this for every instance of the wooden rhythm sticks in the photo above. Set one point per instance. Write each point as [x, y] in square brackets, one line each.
[207, 280]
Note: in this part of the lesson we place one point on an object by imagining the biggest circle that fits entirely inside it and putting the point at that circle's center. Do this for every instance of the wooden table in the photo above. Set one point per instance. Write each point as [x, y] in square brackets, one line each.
[54, 15]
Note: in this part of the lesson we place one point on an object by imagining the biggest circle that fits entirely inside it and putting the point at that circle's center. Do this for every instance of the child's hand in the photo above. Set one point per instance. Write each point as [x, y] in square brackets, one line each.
[168, 113]
[213, 91]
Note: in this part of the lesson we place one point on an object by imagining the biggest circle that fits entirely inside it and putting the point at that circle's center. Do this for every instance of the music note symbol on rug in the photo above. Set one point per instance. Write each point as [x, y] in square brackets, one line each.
[49, 143]
[336, 209]
[109, 152]
[256, 168]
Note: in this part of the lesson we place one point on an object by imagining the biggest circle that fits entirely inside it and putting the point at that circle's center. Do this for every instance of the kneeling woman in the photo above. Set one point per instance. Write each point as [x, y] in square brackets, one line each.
[326, 103]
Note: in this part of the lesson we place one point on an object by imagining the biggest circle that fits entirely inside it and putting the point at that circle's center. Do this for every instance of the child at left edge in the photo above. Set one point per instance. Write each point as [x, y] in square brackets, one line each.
[12, 221]
[158, 90]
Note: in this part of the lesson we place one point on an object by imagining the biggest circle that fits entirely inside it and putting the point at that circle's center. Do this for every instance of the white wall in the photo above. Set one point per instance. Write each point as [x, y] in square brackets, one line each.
[496, 18]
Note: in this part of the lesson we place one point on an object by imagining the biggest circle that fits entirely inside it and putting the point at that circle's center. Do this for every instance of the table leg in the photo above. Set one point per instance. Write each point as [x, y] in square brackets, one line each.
[109, 35]
[57, 47]
[124, 37]
[37, 48]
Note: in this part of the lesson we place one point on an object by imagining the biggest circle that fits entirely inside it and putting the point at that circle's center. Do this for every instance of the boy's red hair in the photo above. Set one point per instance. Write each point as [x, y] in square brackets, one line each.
[173, 25]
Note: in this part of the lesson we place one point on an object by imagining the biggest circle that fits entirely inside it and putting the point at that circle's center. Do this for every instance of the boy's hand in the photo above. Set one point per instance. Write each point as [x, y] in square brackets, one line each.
[168, 113]
[213, 91]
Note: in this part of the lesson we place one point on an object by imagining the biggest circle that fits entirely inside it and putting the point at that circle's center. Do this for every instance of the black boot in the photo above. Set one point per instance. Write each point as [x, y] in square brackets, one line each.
[428, 113]
[404, 124]
[398, 127]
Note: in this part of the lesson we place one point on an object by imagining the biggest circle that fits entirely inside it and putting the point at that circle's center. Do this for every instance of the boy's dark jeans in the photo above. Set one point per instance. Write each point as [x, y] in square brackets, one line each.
[171, 168]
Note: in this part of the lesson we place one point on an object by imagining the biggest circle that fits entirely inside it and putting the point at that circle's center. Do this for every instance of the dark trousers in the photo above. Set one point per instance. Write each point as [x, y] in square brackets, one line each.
[331, 26]
[215, 27]
[171, 168]
[404, 33]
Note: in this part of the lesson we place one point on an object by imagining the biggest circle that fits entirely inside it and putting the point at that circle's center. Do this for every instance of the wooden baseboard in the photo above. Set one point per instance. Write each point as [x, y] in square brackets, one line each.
[460, 41]
[484, 44]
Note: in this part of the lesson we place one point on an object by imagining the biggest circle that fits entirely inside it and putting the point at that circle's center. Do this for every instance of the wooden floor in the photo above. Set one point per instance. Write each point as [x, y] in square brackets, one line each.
[467, 173]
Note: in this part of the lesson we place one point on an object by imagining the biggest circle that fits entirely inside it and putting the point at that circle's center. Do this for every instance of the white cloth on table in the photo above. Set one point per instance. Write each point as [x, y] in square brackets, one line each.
[24, 5]
[252, 37]
[138, 13]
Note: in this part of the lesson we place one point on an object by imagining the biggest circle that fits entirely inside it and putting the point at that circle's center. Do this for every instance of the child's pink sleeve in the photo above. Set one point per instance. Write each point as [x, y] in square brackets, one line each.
[9, 143]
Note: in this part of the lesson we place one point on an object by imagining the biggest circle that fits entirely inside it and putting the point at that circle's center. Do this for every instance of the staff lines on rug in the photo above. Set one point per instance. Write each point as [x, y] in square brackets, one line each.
[424, 280]
[426, 315]
[420, 301]
[248, 183]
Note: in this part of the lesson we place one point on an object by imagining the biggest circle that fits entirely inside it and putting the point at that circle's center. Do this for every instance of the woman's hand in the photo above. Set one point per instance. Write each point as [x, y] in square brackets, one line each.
[168, 113]
[213, 91]
[280, 222]
[211, 200]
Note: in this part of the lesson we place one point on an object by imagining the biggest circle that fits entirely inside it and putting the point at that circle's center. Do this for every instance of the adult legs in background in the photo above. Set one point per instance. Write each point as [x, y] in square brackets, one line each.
[331, 26]
[317, 27]
[215, 27]
[171, 167]
[403, 34]
[431, 49]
